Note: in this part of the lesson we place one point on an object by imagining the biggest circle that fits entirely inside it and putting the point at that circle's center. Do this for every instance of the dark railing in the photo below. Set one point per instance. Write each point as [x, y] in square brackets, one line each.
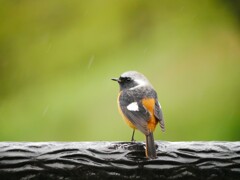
[119, 160]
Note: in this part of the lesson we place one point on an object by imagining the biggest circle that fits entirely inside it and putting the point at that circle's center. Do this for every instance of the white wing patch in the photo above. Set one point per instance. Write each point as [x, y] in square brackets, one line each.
[133, 106]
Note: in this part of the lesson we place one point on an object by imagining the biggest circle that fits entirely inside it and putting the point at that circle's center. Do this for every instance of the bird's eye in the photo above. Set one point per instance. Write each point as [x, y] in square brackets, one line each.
[125, 79]
[128, 79]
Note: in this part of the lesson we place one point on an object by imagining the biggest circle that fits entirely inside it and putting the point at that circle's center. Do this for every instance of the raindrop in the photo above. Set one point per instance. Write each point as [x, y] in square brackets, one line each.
[91, 61]
[45, 111]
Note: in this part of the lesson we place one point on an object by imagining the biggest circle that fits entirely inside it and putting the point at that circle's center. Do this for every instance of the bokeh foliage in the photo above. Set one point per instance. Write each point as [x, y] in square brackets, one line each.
[57, 58]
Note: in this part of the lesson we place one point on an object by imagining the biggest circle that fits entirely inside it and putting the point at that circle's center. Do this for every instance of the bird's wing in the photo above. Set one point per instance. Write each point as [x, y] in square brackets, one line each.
[159, 115]
[134, 111]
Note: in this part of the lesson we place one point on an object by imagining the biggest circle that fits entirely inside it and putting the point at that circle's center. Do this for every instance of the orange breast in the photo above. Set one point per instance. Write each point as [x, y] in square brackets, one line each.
[124, 117]
[149, 104]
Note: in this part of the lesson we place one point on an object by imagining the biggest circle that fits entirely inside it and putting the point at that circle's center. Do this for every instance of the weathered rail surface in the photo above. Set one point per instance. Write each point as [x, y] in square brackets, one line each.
[119, 160]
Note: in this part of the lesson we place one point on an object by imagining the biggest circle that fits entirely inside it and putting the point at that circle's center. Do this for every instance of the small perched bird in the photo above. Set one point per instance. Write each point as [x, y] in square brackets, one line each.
[138, 104]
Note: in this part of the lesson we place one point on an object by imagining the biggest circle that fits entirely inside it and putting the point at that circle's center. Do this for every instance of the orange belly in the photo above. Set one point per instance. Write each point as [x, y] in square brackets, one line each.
[129, 123]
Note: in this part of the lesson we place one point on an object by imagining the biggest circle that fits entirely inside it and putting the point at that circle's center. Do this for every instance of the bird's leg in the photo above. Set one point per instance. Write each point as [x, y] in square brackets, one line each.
[132, 140]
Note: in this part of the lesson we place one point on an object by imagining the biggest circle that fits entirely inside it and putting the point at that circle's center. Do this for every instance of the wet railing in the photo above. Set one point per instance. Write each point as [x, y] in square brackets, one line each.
[119, 160]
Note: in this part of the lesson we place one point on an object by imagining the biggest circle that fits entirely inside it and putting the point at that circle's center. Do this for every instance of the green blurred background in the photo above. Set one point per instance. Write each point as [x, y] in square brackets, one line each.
[57, 58]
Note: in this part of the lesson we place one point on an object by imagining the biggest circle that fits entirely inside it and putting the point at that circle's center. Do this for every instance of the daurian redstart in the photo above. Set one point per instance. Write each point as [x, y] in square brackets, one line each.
[138, 104]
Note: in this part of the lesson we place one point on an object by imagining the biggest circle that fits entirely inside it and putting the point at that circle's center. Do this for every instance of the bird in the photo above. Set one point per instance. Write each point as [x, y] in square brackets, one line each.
[139, 106]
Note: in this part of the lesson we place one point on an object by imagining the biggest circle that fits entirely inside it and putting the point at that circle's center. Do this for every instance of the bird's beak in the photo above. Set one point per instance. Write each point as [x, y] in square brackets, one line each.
[116, 79]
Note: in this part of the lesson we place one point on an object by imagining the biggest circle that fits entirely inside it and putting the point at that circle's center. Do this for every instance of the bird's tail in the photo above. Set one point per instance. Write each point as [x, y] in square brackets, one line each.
[150, 147]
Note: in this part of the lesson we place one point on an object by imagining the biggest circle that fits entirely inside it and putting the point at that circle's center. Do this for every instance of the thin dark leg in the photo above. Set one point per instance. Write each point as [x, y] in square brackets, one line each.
[133, 135]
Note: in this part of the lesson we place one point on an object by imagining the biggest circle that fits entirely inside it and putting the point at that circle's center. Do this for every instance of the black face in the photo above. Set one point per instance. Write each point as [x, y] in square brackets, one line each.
[126, 83]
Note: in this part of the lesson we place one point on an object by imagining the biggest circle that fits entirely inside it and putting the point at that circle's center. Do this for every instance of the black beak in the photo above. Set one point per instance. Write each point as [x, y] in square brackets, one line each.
[116, 79]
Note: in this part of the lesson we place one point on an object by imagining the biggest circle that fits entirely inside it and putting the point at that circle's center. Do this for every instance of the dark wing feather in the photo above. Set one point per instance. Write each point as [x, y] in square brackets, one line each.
[159, 115]
[138, 118]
